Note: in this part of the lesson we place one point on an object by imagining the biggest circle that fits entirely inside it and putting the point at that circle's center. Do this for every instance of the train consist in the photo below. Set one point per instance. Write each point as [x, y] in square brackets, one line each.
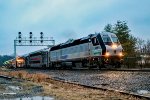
[95, 50]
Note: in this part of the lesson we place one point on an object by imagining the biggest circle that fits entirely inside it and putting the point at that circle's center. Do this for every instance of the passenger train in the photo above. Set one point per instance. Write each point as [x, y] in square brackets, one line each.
[95, 50]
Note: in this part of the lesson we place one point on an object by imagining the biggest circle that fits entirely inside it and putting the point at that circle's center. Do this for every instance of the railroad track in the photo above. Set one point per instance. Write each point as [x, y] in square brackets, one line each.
[103, 69]
[5, 77]
[105, 89]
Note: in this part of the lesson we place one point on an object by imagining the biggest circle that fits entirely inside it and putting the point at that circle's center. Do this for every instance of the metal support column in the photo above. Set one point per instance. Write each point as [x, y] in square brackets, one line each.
[15, 53]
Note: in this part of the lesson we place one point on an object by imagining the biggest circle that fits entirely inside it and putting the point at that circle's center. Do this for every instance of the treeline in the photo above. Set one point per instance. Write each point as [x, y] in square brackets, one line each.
[143, 47]
[4, 58]
[133, 46]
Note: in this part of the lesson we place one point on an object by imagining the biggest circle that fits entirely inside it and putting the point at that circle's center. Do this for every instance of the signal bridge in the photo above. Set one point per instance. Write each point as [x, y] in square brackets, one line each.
[33, 41]
[46, 41]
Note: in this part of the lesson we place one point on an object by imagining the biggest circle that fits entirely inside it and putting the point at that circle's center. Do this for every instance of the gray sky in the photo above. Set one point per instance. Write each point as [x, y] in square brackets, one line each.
[64, 19]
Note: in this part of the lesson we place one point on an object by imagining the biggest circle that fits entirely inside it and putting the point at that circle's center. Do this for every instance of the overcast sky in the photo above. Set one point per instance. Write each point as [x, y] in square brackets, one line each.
[64, 19]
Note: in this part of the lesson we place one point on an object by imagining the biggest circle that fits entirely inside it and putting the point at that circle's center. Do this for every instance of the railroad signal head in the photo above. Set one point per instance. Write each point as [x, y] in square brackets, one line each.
[19, 41]
[30, 35]
[19, 35]
[41, 35]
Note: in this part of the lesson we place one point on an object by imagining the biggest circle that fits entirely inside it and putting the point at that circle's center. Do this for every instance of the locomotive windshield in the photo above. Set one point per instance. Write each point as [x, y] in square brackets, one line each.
[106, 40]
[115, 39]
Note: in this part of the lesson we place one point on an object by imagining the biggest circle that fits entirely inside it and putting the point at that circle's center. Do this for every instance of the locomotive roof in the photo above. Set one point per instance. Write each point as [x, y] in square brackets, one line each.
[78, 41]
[73, 42]
[107, 33]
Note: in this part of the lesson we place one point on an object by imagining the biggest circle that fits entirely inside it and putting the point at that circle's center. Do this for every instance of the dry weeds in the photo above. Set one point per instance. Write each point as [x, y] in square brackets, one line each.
[37, 77]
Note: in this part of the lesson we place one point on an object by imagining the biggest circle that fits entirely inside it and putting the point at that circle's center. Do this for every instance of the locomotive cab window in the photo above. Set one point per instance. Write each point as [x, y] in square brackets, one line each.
[115, 39]
[106, 40]
[95, 41]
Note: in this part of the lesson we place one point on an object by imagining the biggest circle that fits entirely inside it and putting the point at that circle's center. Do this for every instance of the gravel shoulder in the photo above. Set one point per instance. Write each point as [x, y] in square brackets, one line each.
[137, 82]
[119, 80]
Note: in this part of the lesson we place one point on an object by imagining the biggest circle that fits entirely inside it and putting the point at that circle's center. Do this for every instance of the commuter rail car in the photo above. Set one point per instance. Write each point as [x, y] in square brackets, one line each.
[38, 58]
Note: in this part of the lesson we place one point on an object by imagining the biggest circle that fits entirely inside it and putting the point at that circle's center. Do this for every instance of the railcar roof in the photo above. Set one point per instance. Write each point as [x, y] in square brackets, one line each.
[42, 50]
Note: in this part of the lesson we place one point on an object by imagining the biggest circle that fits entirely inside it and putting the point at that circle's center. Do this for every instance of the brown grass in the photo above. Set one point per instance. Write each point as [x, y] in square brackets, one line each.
[3, 73]
[37, 77]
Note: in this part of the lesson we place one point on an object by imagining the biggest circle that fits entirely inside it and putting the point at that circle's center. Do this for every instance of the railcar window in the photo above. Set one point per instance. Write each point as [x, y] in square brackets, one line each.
[95, 41]
[115, 40]
[34, 62]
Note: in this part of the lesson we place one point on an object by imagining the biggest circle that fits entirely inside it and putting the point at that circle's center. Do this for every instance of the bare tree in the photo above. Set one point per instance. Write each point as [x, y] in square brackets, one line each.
[139, 46]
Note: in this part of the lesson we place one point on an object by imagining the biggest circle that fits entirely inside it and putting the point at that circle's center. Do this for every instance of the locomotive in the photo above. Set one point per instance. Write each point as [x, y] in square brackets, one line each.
[95, 50]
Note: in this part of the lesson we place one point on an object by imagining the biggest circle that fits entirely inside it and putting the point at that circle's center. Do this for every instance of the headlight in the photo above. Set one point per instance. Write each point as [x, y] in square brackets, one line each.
[120, 54]
[114, 46]
[107, 54]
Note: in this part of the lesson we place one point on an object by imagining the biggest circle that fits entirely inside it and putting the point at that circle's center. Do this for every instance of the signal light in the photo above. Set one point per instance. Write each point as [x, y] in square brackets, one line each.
[19, 35]
[41, 33]
[19, 41]
[41, 37]
[30, 35]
